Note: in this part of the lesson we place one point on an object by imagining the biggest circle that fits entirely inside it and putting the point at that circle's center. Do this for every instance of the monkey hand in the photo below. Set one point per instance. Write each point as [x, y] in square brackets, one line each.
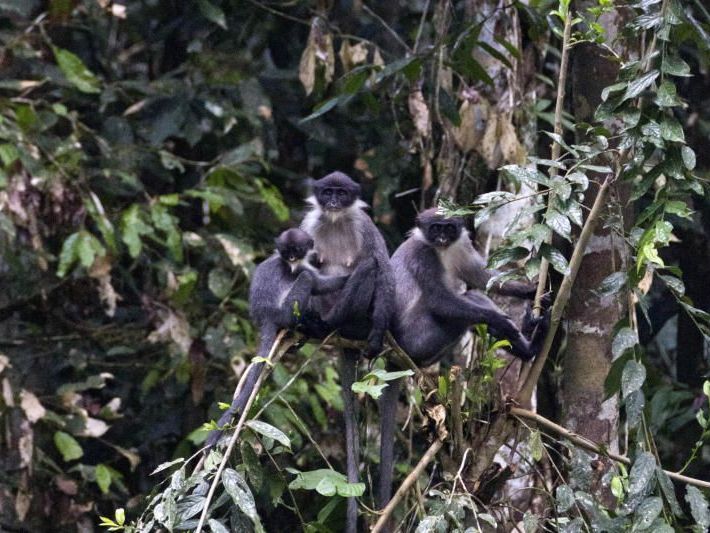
[546, 300]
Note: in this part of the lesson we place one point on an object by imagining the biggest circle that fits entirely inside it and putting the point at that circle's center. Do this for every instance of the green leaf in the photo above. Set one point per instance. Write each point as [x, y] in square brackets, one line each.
[617, 487]
[675, 66]
[384, 375]
[8, 154]
[671, 130]
[503, 256]
[269, 431]
[535, 444]
[67, 446]
[216, 526]
[668, 491]
[666, 96]
[559, 223]
[555, 258]
[239, 491]
[625, 339]
[637, 86]
[212, 13]
[564, 498]
[641, 473]
[88, 248]
[698, 507]
[647, 512]
[219, 281]
[103, 478]
[75, 71]
[612, 284]
[132, 228]
[323, 108]
[688, 156]
[367, 387]
[69, 254]
[326, 482]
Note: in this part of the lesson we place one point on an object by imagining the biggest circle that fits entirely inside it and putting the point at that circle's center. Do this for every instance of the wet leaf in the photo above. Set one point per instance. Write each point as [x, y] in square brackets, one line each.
[269, 431]
[67, 446]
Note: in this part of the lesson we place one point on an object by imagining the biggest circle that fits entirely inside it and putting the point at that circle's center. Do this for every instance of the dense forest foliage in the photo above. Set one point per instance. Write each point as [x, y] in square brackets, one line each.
[151, 150]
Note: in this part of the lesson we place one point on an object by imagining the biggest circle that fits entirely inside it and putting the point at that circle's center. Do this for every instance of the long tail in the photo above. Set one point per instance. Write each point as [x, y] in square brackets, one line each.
[268, 336]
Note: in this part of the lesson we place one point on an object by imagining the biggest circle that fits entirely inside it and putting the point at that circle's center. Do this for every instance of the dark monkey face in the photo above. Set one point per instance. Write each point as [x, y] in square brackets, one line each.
[336, 191]
[439, 231]
[294, 244]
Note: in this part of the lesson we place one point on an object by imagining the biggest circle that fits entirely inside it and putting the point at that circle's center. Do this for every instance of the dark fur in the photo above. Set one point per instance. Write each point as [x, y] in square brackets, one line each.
[435, 270]
[347, 242]
[280, 297]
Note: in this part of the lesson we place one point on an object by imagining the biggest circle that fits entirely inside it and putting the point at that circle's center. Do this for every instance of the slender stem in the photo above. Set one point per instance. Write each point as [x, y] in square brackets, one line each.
[564, 292]
[406, 485]
[556, 148]
[242, 420]
[595, 447]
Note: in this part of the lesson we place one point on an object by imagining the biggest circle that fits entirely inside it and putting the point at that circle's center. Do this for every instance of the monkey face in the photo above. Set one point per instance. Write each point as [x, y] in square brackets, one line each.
[294, 244]
[442, 234]
[336, 191]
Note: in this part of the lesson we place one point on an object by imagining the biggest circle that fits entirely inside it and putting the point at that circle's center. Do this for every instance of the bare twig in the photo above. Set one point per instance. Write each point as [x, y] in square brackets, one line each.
[276, 347]
[595, 447]
[556, 148]
[406, 485]
[389, 29]
[565, 292]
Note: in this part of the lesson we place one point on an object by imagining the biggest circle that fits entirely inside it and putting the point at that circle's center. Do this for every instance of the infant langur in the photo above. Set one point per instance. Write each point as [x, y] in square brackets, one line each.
[438, 277]
[280, 297]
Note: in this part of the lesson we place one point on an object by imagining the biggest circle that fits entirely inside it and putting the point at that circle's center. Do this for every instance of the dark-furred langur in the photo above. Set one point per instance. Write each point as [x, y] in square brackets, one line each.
[280, 297]
[435, 270]
[346, 242]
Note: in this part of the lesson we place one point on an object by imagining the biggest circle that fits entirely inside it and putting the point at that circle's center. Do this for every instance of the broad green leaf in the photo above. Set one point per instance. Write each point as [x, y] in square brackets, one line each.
[239, 491]
[666, 95]
[641, 473]
[367, 387]
[323, 108]
[559, 223]
[637, 86]
[384, 375]
[69, 254]
[674, 65]
[625, 339]
[219, 282]
[671, 130]
[634, 403]
[212, 13]
[133, 227]
[67, 446]
[164, 466]
[326, 482]
[647, 512]
[269, 431]
[688, 156]
[698, 507]
[88, 248]
[75, 71]
[216, 526]
[8, 154]
[556, 259]
[536, 446]
[564, 498]
[612, 284]
[617, 487]
[103, 478]
[668, 491]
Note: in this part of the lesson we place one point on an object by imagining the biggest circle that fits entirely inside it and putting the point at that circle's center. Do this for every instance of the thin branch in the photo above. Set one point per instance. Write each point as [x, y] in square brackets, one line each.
[595, 447]
[276, 347]
[406, 485]
[565, 292]
[387, 27]
[556, 148]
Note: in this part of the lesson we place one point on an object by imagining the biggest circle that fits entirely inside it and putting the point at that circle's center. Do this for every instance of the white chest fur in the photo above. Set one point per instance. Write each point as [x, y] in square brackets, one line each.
[452, 260]
[338, 239]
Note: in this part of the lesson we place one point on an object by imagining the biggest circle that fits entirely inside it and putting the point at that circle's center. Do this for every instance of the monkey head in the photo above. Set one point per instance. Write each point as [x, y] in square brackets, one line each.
[294, 245]
[336, 191]
[439, 230]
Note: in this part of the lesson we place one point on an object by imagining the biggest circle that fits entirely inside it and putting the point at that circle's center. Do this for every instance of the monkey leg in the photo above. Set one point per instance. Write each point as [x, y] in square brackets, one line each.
[348, 370]
[499, 324]
[388, 410]
[355, 297]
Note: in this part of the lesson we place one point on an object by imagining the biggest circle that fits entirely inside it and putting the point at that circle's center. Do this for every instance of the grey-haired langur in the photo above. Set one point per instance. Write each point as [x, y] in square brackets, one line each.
[346, 242]
[280, 297]
[435, 270]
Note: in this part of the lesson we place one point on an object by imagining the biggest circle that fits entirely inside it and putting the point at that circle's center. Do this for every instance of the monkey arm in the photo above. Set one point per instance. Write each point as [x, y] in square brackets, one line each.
[326, 284]
[475, 274]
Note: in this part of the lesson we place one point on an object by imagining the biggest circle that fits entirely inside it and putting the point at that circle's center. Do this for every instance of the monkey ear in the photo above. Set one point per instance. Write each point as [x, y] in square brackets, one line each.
[311, 243]
[357, 190]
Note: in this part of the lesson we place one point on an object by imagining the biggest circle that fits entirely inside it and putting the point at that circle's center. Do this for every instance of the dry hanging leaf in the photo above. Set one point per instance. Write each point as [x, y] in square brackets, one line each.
[352, 56]
[488, 147]
[420, 114]
[31, 406]
[173, 327]
[474, 117]
[101, 271]
[510, 147]
[319, 51]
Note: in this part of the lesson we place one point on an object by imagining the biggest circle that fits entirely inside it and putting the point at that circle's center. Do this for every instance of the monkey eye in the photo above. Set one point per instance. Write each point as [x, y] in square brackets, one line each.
[328, 192]
[341, 193]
